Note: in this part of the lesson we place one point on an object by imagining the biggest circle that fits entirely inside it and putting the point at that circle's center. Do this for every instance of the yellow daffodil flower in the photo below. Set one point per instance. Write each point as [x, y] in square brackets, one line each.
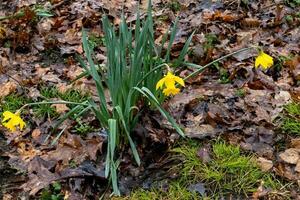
[11, 120]
[263, 60]
[169, 82]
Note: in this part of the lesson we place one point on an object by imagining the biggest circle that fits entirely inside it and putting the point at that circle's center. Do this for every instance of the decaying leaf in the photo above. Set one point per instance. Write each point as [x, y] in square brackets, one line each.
[7, 88]
[60, 108]
[74, 148]
[2, 32]
[290, 156]
[265, 164]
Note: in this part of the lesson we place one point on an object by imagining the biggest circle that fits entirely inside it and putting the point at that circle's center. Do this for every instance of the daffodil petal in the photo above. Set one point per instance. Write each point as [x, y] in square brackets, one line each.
[7, 115]
[11, 120]
[170, 83]
[179, 80]
[257, 62]
[264, 60]
[9, 126]
[160, 83]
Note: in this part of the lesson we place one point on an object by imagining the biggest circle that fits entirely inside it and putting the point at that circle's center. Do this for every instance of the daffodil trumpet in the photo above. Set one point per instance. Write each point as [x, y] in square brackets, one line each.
[168, 82]
[263, 60]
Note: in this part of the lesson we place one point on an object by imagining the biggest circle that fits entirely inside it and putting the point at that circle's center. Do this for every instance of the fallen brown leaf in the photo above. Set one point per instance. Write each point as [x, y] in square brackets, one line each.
[290, 156]
[7, 88]
[60, 108]
[265, 164]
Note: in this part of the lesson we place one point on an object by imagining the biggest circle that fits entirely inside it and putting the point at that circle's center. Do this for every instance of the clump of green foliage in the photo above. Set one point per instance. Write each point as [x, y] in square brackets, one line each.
[13, 102]
[224, 76]
[291, 120]
[95, 41]
[53, 192]
[292, 3]
[292, 126]
[240, 92]
[174, 5]
[38, 10]
[211, 41]
[71, 95]
[134, 66]
[49, 92]
[46, 110]
[281, 60]
[293, 109]
[74, 96]
[83, 128]
[228, 171]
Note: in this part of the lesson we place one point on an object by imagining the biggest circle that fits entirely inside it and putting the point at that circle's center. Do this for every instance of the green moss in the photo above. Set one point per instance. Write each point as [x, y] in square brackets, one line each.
[228, 172]
[289, 18]
[291, 126]
[163, 18]
[291, 119]
[293, 109]
[175, 192]
[7, 44]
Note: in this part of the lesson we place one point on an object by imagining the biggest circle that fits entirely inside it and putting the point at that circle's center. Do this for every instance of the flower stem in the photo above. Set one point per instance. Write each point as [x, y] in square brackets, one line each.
[201, 68]
[151, 71]
[50, 102]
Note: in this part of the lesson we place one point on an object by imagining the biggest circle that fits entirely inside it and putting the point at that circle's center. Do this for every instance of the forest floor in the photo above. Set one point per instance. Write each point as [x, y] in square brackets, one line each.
[242, 124]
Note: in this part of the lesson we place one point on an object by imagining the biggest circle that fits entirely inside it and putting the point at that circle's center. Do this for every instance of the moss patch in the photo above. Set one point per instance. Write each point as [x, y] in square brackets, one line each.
[227, 172]
[175, 192]
[291, 119]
